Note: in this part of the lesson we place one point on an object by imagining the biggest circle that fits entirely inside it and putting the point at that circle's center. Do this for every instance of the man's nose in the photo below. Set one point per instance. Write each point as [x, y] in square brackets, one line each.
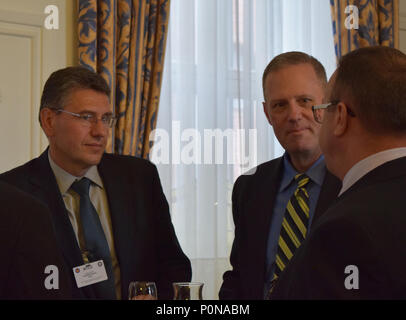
[99, 129]
[295, 111]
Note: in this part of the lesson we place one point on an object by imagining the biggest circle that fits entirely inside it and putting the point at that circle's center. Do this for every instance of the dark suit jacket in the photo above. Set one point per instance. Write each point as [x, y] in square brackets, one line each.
[253, 200]
[28, 246]
[145, 241]
[366, 228]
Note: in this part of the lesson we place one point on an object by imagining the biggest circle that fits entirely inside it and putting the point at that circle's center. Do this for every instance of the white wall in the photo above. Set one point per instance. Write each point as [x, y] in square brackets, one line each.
[29, 54]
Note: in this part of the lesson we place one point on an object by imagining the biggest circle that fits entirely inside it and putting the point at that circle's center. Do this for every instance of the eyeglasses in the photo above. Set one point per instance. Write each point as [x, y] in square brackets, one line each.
[88, 118]
[318, 111]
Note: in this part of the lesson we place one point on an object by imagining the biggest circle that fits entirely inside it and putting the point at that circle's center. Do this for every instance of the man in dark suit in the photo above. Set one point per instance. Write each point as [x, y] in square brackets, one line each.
[356, 250]
[29, 250]
[108, 210]
[292, 83]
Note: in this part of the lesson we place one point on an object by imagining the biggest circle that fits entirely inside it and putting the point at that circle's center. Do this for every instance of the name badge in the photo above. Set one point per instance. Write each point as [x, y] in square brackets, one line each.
[90, 273]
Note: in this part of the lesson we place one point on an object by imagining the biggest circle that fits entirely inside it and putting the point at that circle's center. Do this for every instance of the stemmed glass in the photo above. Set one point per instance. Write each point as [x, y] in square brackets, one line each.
[142, 290]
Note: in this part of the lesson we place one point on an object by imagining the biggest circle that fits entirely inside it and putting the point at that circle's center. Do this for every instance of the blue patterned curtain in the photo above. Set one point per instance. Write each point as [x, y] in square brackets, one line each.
[124, 41]
[378, 24]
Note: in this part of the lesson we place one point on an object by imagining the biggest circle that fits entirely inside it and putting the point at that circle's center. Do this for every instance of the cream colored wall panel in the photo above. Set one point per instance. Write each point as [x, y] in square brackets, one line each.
[402, 43]
[15, 99]
[402, 6]
[29, 54]
[19, 86]
[402, 25]
[31, 12]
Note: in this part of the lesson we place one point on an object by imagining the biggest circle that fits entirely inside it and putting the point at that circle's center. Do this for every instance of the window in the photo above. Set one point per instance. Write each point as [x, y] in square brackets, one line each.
[211, 106]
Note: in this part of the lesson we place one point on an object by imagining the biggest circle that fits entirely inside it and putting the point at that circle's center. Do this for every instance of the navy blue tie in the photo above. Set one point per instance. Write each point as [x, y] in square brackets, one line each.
[95, 241]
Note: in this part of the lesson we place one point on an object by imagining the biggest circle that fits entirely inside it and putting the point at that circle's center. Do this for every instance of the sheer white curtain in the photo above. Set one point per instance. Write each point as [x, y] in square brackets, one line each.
[216, 53]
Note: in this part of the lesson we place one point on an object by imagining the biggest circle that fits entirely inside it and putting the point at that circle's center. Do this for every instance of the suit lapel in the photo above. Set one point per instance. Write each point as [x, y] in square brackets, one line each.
[329, 191]
[258, 211]
[45, 187]
[120, 206]
[269, 182]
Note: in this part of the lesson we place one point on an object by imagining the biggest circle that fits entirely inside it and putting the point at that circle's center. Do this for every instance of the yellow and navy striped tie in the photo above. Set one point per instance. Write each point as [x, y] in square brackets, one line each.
[294, 225]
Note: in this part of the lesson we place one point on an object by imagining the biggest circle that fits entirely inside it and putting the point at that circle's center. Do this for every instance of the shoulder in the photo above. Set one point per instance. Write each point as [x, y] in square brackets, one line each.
[12, 195]
[266, 170]
[128, 164]
[17, 204]
[126, 160]
[249, 185]
[373, 209]
[9, 193]
[20, 170]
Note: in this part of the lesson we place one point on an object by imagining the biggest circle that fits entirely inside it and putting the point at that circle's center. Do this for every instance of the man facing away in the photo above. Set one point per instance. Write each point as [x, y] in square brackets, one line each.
[274, 207]
[356, 250]
[31, 265]
[108, 210]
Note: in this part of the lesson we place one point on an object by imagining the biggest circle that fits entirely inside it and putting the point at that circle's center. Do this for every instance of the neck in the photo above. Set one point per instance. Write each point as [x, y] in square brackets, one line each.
[358, 151]
[303, 161]
[71, 169]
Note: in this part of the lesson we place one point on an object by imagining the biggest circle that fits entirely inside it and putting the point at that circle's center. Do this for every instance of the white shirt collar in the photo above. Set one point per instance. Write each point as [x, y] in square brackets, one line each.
[368, 164]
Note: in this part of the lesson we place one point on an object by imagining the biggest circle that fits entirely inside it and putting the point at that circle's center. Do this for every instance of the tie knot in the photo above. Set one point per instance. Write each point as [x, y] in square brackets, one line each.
[81, 186]
[302, 180]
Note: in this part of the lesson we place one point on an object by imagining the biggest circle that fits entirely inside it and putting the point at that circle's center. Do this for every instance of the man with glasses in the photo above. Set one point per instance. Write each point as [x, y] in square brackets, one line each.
[274, 208]
[110, 214]
[357, 249]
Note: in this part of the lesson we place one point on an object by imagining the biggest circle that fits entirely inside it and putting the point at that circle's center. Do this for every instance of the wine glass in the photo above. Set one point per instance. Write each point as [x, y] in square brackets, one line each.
[142, 290]
[187, 290]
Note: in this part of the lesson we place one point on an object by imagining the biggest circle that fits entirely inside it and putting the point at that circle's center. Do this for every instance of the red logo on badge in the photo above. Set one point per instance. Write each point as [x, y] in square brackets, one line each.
[77, 270]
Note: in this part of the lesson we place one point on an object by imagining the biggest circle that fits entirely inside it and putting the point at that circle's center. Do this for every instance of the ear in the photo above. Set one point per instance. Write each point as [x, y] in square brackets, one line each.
[340, 120]
[47, 117]
[267, 112]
